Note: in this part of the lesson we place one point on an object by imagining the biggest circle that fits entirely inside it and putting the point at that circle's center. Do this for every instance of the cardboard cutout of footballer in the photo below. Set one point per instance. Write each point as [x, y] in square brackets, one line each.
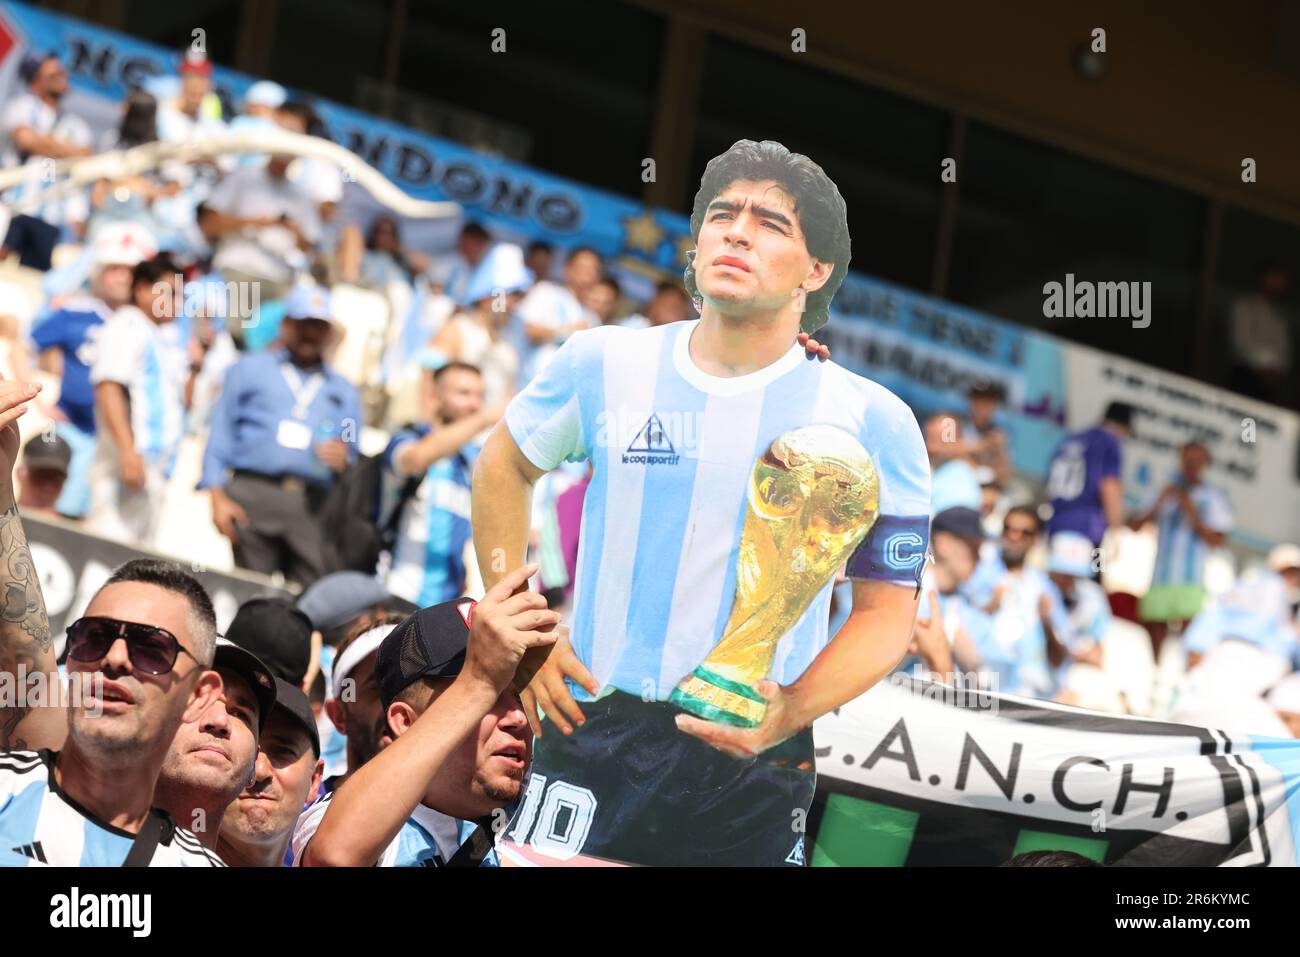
[731, 479]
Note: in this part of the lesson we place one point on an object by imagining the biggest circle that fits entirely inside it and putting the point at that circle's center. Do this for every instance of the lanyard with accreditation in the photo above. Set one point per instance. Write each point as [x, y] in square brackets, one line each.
[295, 433]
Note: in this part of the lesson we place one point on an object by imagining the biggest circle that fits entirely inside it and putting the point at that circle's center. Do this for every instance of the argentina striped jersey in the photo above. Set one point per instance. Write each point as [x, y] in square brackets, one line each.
[673, 449]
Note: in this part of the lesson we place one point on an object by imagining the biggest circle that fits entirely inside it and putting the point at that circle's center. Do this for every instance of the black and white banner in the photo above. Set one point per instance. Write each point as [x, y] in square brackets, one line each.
[914, 773]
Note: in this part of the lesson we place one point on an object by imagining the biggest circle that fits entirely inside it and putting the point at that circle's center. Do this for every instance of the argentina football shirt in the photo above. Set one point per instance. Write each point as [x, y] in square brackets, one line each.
[673, 449]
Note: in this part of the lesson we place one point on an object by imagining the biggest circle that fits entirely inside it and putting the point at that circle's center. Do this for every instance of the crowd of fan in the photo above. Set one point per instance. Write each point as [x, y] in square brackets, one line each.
[149, 331]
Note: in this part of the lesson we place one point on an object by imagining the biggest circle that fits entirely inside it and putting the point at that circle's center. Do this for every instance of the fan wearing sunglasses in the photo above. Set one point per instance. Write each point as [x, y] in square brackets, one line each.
[139, 664]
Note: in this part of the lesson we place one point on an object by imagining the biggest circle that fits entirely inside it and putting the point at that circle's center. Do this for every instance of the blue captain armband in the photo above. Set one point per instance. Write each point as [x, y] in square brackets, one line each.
[893, 551]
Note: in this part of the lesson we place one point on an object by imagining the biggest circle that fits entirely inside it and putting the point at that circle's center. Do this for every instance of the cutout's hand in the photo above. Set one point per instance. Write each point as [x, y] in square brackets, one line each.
[746, 742]
[549, 691]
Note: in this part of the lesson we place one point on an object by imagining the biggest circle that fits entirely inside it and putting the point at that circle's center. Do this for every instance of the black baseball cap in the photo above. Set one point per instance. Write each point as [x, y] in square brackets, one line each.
[47, 451]
[958, 520]
[276, 632]
[290, 700]
[251, 668]
[428, 644]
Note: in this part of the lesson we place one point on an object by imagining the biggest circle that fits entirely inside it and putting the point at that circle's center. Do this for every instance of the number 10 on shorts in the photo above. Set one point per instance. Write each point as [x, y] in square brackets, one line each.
[555, 818]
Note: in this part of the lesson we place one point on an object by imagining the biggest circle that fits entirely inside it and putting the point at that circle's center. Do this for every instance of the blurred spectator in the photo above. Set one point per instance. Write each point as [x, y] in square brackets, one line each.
[285, 425]
[953, 482]
[131, 199]
[197, 110]
[277, 633]
[66, 343]
[1071, 565]
[477, 335]
[602, 298]
[956, 537]
[141, 391]
[987, 442]
[32, 118]
[33, 130]
[451, 273]
[321, 178]
[1029, 640]
[257, 826]
[993, 504]
[551, 312]
[261, 101]
[1191, 518]
[385, 260]
[670, 304]
[1261, 337]
[211, 759]
[43, 472]
[539, 257]
[1260, 609]
[1084, 478]
[432, 463]
[267, 224]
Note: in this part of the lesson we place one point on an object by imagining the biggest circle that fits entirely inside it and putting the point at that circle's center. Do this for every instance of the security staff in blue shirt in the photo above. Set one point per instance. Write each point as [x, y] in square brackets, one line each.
[284, 427]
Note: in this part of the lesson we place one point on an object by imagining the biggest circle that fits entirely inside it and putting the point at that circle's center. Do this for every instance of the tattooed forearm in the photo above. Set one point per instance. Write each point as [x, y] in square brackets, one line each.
[22, 606]
[26, 651]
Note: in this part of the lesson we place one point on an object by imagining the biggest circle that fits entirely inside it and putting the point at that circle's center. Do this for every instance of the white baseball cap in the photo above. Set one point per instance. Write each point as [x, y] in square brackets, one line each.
[1070, 553]
[266, 93]
[124, 244]
[1283, 557]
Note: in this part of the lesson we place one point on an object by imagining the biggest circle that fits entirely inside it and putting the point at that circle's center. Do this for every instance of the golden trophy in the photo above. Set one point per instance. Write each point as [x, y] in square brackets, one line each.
[813, 497]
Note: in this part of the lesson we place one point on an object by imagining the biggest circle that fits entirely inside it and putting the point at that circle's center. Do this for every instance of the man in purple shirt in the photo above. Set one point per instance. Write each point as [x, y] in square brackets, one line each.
[1083, 479]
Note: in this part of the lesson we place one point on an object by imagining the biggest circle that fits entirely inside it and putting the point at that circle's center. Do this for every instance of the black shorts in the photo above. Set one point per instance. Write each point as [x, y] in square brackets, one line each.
[629, 786]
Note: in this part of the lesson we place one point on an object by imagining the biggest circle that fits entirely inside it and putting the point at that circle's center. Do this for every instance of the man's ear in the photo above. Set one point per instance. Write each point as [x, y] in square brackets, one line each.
[317, 774]
[400, 717]
[334, 709]
[207, 690]
[818, 276]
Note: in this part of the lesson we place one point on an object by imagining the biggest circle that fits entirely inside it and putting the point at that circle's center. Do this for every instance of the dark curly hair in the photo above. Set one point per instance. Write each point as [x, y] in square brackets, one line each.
[822, 213]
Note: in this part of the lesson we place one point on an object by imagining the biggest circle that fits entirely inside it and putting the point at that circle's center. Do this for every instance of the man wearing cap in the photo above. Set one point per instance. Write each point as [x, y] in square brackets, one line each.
[461, 742]
[211, 758]
[257, 826]
[477, 334]
[65, 342]
[142, 389]
[950, 629]
[197, 109]
[261, 101]
[1071, 565]
[42, 473]
[285, 425]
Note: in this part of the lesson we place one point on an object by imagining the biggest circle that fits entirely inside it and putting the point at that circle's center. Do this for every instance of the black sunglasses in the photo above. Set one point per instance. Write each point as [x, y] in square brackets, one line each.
[152, 651]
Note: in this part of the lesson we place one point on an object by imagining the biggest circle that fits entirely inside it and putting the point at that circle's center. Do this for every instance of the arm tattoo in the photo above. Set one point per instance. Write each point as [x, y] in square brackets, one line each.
[25, 643]
[21, 601]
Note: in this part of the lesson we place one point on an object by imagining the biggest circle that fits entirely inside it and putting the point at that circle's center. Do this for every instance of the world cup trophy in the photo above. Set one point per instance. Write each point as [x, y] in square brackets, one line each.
[813, 497]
